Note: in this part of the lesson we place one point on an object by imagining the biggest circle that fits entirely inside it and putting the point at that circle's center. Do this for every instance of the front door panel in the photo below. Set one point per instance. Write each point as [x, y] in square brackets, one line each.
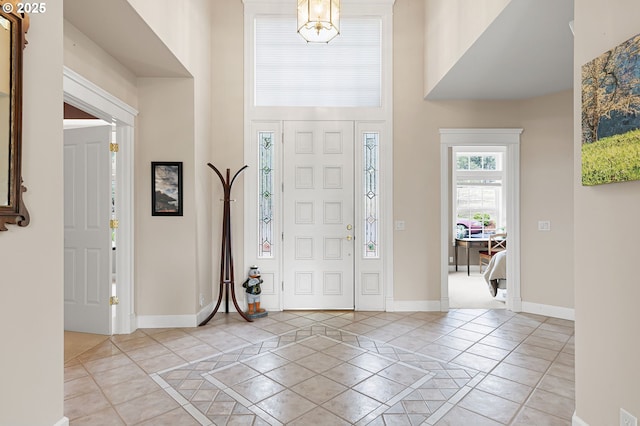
[318, 215]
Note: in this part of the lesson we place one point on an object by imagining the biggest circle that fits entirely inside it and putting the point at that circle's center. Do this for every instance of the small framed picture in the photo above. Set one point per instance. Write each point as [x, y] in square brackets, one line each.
[166, 188]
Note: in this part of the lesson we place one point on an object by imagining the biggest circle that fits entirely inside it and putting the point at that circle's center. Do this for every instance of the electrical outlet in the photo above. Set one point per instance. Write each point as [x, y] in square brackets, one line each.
[626, 419]
[450, 259]
[201, 300]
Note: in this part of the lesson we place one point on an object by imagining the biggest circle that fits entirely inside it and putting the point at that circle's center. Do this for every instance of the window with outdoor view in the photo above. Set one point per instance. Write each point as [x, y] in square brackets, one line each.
[479, 205]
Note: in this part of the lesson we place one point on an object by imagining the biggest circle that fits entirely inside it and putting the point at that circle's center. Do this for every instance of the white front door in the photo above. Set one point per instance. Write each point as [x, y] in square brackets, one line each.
[318, 215]
[87, 235]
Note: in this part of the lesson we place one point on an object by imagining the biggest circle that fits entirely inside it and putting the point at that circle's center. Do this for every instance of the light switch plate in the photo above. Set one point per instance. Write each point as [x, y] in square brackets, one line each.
[544, 225]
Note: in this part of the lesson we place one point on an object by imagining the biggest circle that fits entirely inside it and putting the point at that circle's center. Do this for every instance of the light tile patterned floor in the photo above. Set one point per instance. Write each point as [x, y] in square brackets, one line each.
[463, 367]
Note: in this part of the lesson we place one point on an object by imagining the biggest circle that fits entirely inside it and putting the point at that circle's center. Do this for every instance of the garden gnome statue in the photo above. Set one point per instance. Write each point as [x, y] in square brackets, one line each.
[252, 284]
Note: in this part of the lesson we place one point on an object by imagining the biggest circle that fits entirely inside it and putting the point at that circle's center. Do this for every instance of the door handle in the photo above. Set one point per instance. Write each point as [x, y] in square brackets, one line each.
[349, 237]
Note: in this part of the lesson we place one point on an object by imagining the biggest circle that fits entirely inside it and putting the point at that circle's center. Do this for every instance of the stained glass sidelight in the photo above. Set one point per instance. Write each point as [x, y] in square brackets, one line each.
[371, 194]
[265, 195]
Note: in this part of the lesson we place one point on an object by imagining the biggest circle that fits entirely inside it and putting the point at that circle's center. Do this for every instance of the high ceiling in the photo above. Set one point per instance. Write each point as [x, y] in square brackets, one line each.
[116, 27]
[527, 51]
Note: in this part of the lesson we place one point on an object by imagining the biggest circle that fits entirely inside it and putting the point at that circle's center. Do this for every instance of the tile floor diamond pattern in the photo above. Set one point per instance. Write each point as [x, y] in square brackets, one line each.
[465, 366]
[316, 370]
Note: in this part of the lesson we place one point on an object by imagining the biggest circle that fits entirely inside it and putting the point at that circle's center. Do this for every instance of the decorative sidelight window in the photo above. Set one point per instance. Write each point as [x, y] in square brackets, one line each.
[265, 195]
[371, 179]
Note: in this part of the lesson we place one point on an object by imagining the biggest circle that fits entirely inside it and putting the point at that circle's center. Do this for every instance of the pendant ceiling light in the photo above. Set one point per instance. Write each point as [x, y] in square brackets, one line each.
[318, 20]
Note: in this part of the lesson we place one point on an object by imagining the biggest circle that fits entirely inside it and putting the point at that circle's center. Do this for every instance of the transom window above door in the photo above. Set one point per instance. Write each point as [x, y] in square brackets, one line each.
[292, 73]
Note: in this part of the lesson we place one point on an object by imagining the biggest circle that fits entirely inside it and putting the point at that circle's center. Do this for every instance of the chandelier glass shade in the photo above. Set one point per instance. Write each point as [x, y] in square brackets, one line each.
[318, 20]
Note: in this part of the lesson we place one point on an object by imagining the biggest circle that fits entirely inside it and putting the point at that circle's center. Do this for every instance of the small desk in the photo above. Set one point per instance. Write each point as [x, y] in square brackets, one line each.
[481, 241]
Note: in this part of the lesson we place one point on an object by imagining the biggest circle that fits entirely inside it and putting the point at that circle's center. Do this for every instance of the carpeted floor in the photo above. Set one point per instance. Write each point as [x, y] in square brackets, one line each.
[472, 292]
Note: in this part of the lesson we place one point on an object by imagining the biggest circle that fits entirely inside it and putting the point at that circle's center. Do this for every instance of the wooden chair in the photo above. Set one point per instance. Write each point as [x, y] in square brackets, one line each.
[497, 243]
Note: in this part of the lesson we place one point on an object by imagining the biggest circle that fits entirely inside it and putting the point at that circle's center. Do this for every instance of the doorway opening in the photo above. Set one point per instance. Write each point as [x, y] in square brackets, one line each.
[479, 199]
[89, 234]
[478, 212]
[95, 103]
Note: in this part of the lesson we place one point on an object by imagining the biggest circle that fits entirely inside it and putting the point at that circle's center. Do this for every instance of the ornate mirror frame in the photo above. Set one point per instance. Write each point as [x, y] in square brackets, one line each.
[15, 24]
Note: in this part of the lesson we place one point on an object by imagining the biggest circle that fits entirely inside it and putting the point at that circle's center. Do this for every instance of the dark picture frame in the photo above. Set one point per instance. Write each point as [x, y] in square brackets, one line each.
[166, 188]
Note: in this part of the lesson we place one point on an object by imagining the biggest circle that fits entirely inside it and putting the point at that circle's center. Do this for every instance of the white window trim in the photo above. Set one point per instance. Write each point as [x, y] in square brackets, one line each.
[377, 119]
[510, 139]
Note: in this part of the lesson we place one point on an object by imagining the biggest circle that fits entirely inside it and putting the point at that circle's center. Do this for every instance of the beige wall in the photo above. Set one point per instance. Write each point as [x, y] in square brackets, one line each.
[89, 60]
[472, 17]
[546, 191]
[173, 254]
[227, 97]
[607, 344]
[185, 28]
[200, 61]
[165, 245]
[31, 359]
[545, 156]
[182, 25]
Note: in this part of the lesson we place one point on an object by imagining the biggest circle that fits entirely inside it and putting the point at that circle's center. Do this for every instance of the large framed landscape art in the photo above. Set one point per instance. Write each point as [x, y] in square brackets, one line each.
[611, 115]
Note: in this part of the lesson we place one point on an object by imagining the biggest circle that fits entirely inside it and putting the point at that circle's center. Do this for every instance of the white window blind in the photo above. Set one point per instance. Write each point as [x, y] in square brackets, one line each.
[343, 73]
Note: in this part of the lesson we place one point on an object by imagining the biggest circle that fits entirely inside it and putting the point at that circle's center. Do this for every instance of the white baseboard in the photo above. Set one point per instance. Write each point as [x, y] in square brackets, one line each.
[167, 321]
[436, 305]
[176, 321]
[62, 422]
[549, 310]
[205, 312]
[416, 305]
[577, 421]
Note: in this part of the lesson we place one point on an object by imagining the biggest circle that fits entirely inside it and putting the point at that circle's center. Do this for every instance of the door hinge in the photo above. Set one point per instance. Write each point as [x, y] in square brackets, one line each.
[282, 285]
[114, 223]
[282, 236]
[114, 147]
[113, 300]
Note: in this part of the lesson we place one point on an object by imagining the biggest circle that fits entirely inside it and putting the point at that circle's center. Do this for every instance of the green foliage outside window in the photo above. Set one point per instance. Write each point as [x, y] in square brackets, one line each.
[476, 162]
[482, 217]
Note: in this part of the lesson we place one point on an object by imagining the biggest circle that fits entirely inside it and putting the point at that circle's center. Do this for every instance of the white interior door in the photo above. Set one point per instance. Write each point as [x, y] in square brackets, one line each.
[87, 235]
[318, 215]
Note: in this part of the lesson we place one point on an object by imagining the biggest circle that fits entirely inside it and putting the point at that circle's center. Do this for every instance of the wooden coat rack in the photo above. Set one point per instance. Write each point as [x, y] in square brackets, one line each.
[227, 281]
